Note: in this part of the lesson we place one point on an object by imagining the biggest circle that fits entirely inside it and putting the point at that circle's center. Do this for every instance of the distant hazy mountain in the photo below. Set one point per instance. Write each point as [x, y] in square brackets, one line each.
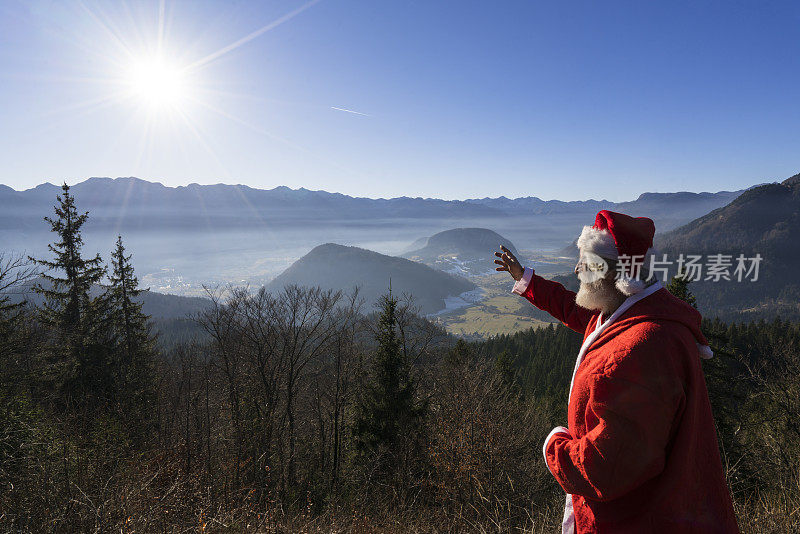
[570, 251]
[134, 204]
[668, 210]
[461, 250]
[183, 237]
[131, 203]
[537, 206]
[766, 218]
[416, 245]
[763, 220]
[333, 266]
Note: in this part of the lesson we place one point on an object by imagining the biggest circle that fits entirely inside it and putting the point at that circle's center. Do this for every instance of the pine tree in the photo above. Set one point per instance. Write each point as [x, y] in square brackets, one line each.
[134, 351]
[388, 416]
[504, 365]
[129, 321]
[460, 354]
[679, 286]
[78, 318]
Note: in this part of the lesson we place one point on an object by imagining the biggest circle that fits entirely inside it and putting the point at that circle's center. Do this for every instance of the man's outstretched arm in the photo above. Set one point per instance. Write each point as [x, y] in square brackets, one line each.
[546, 295]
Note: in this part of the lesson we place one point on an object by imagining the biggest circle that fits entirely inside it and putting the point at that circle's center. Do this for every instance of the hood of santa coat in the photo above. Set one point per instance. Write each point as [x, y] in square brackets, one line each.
[663, 306]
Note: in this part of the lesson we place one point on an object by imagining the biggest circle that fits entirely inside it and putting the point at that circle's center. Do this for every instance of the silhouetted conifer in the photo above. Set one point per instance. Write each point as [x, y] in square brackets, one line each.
[388, 414]
[80, 347]
[134, 345]
[679, 286]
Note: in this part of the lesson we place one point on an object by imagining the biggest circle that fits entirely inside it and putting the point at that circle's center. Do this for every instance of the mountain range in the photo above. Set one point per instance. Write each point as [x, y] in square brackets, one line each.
[187, 236]
[212, 228]
[135, 204]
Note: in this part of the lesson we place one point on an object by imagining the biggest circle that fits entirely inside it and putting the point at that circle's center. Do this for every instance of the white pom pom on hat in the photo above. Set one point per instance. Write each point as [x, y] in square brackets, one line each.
[615, 235]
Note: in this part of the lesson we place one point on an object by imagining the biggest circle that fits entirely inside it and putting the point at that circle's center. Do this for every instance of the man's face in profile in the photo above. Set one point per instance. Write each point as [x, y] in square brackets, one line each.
[597, 291]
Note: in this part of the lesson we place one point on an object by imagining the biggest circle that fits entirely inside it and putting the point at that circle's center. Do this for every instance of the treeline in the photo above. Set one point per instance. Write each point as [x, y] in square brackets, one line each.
[754, 385]
[91, 354]
[302, 411]
[296, 410]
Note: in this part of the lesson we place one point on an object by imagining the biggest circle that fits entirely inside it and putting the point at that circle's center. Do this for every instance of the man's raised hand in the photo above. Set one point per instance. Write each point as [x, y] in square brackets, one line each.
[508, 262]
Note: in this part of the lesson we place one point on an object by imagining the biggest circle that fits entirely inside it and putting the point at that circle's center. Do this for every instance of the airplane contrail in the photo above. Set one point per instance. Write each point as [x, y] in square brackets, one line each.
[349, 111]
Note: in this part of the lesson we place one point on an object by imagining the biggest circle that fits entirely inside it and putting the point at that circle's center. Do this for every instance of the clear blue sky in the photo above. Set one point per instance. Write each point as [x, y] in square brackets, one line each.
[456, 99]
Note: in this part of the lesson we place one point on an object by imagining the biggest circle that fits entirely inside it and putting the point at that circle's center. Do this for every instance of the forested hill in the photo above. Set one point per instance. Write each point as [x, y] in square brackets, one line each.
[764, 220]
[461, 250]
[333, 266]
[154, 304]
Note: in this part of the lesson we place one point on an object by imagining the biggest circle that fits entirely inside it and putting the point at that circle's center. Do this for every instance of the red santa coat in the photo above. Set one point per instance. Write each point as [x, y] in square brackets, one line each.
[641, 452]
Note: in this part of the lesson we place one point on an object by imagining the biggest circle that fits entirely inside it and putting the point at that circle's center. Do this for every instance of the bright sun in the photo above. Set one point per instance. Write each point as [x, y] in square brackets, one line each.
[157, 83]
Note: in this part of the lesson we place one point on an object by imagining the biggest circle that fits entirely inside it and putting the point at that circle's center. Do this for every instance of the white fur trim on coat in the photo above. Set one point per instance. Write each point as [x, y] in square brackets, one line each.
[601, 242]
[556, 430]
[522, 284]
[705, 351]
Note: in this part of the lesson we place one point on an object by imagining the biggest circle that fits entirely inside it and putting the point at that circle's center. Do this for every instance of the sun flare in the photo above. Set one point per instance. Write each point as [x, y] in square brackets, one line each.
[157, 83]
[165, 84]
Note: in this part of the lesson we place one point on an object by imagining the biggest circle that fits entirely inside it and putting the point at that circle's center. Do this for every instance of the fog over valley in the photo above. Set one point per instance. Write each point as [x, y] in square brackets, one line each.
[184, 237]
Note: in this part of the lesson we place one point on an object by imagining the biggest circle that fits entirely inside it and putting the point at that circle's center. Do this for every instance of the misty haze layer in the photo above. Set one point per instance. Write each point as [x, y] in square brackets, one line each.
[182, 237]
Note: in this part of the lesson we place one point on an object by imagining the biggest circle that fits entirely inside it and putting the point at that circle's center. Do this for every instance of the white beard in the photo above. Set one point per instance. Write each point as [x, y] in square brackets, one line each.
[601, 295]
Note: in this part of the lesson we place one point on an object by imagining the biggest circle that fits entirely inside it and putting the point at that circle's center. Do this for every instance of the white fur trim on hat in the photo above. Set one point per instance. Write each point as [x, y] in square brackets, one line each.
[601, 242]
[630, 285]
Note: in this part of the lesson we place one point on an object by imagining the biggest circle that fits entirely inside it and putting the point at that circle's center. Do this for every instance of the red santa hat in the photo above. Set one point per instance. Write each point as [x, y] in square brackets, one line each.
[616, 235]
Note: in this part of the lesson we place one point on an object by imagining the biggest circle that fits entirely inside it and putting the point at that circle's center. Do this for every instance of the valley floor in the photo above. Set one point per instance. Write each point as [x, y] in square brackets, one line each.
[498, 311]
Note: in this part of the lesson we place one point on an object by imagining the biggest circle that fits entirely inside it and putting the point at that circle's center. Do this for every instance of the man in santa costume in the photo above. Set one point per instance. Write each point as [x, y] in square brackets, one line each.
[640, 450]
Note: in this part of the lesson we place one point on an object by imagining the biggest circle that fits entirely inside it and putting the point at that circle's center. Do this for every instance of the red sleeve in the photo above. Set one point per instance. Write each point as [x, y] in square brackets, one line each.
[634, 413]
[558, 301]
